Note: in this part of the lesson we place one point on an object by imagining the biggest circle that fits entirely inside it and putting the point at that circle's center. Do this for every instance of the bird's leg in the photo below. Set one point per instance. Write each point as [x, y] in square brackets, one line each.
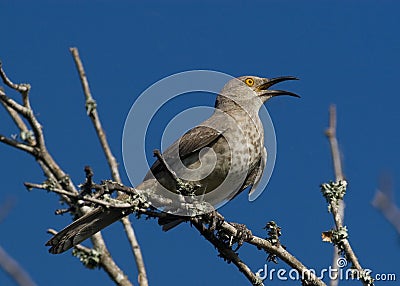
[215, 220]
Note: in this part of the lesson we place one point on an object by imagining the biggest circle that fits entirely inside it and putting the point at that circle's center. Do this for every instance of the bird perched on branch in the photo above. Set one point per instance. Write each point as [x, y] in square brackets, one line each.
[212, 162]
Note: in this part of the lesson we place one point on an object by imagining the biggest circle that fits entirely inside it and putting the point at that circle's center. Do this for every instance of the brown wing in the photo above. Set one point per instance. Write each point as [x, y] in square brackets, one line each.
[191, 142]
[196, 139]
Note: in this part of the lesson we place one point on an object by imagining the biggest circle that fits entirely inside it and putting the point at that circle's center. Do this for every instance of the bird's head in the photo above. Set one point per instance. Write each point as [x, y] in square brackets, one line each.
[252, 91]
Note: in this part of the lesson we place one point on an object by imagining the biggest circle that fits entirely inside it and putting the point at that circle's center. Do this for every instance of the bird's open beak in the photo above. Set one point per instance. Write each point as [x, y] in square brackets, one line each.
[271, 82]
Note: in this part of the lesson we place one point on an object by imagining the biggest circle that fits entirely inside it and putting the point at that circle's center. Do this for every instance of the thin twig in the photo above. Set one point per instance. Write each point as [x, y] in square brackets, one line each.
[338, 211]
[14, 270]
[7, 263]
[330, 133]
[6, 207]
[385, 202]
[15, 117]
[91, 109]
[23, 129]
[117, 204]
[130, 233]
[13, 104]
[26, 111]
[50, 176]
[389, 209]
[18, 145]
[22, 88]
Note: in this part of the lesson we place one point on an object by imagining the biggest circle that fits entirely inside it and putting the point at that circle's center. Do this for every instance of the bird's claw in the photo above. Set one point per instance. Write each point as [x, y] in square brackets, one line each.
[242, 234]
[215, 220]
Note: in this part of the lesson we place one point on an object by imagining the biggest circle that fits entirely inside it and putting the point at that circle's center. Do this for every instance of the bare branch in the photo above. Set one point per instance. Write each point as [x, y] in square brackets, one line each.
[113, 204]
[91, 109]
[384, 202]
[130, 233]
[7, 263]
[5, 208]
[25, 110]
[13, 104]
[388, 208]
[330, 133]
[16, 272]
[17, 145]
[15, 117]
[338, 209]
[22, 88]
[25, 133]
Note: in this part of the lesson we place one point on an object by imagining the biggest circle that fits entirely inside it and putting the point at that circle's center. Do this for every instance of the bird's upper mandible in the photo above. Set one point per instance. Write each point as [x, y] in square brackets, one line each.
[250, 92]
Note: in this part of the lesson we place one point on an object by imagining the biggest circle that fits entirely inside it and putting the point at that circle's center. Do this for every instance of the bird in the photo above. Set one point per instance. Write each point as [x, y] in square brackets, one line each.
[216, 160]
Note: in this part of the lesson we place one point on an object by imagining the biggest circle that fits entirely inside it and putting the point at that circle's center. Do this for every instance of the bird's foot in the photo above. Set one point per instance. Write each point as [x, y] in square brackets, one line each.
[214, 220]
[242, 234]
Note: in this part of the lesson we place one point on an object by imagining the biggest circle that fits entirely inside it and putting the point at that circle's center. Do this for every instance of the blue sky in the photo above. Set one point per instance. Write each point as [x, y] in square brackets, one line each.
[345, 53]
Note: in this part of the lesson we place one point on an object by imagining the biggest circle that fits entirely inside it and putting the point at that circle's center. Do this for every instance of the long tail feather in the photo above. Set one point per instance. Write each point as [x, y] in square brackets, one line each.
[83, 228]
[170, 222]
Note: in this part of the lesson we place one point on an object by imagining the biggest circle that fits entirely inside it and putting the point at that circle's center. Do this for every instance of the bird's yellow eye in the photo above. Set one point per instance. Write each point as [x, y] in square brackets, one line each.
[249, 81]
